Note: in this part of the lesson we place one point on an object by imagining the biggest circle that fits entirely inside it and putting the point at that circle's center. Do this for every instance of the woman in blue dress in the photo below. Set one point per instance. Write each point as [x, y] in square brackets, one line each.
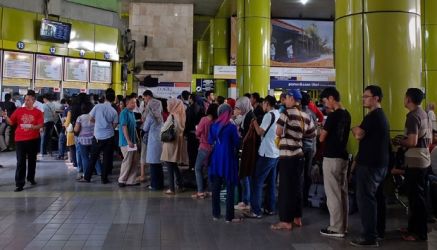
[223, 168]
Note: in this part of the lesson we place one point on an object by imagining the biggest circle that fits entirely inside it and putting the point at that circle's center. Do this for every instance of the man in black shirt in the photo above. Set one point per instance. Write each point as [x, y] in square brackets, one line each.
[335, 134]
[371, 167]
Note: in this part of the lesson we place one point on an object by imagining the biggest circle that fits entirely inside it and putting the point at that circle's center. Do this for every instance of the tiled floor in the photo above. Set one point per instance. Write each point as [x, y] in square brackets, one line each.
[59, 213]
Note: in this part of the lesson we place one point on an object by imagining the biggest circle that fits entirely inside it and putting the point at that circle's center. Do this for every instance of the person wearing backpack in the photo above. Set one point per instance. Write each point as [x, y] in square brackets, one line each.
[268, 155]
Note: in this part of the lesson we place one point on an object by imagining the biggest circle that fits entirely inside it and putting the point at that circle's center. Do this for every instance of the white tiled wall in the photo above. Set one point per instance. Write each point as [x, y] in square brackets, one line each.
[169, 28]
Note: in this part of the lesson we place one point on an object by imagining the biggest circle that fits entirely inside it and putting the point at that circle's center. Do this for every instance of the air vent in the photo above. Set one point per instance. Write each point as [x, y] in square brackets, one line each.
[163, 65]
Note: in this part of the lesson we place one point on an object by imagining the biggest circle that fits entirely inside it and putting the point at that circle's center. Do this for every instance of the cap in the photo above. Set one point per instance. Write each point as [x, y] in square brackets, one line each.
[295, 93]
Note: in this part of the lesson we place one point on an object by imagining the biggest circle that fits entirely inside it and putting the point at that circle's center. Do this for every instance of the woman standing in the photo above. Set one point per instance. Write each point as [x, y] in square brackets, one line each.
[202, 132]
[292, 126]
[224, 161]
[152, 127]
[174, 152]
[84, 129]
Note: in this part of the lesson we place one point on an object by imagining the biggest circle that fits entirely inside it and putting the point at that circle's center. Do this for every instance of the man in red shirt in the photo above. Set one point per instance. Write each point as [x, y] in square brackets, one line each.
[28, 120]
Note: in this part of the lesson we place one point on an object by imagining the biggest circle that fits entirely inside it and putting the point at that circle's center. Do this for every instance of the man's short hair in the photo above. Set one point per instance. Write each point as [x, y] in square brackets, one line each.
[330, 91]
[130, 97]
[271, 100]
[31, 93]
[416, 95]
[375, 91]
[148, 93]
[185, 94]
[110, 95]
[7, 97]
[256, 96]
[248, 95]
[220, 100]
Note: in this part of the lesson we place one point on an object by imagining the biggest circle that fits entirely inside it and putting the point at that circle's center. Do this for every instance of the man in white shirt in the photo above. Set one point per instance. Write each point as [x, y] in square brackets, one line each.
[268, 155]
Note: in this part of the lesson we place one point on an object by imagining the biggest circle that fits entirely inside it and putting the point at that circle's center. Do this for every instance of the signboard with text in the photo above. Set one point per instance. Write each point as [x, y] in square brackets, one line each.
[48, 67]
[17, 65]
[76, 70]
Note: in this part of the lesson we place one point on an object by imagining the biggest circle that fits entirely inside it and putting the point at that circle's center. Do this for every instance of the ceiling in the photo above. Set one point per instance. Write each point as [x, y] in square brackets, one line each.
[313, 9]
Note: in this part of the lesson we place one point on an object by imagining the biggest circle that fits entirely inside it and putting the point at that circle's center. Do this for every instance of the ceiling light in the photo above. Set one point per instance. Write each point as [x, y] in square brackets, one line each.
[304, 1]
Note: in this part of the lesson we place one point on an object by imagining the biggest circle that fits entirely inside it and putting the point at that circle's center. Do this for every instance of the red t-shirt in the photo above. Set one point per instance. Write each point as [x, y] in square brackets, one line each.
[23, 117]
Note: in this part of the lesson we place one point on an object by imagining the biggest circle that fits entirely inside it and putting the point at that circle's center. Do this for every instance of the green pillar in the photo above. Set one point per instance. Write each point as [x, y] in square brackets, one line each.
[117, 85]
[253, 55]
[219, 34]
[377, 42]
[202, 60]
[429, 21]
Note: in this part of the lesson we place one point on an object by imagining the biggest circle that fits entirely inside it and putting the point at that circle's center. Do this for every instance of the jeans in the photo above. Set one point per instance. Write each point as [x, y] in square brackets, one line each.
[156, 176]
[245, 193]
[62, 144]
[265, 168]
[26, 149]
[173, 170]
[368, 180]
[45, 142]
[217, 182]
[85, 153]
[308, 155]
[417, 218]
[202, 157]
[107, 146]
[80, 167]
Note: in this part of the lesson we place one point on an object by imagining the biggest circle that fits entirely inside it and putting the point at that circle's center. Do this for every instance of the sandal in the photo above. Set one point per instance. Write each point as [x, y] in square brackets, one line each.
[169, 192]
[235, 220]
[141, 179]
[198, 196]
[297, 222]
[281, 226]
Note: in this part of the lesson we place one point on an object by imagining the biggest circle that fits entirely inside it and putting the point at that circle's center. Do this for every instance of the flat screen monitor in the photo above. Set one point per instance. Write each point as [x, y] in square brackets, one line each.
[55, 31]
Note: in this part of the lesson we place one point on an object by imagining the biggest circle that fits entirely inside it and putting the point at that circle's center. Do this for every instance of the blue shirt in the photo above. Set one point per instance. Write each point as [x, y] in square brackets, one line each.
[105, 116]
[127, 118]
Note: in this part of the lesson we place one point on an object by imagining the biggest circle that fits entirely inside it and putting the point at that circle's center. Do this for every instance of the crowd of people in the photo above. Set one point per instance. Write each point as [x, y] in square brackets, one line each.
[261, 148]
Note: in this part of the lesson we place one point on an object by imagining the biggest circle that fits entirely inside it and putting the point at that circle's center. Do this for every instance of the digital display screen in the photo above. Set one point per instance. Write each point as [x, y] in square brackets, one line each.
[55, 31]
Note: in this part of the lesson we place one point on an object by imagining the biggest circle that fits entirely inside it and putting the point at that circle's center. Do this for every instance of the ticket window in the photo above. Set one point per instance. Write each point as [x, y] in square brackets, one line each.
[69, 92]
[45, 90]
[99, 92]
[14, 89]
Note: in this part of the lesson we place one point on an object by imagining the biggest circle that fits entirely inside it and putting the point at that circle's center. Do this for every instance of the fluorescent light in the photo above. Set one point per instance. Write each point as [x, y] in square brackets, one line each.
[304, 1]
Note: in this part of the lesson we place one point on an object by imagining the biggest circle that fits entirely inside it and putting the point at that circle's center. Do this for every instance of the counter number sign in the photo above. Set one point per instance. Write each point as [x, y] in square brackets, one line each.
[20, 45]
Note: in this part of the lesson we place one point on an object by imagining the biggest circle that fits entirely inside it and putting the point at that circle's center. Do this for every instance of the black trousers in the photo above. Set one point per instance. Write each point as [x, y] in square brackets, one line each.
[46, 142]
[107, 146]
[417, 219]
[308, 155]
[381, 208]
[26, 150]
[290, 188]
[192, 147]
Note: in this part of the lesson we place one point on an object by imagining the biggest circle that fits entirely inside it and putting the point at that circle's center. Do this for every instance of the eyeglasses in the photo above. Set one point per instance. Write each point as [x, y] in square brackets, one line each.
[366, 96]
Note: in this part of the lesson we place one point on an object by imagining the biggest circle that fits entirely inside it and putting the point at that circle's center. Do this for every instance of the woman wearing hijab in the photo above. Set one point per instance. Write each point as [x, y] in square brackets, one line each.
[174, 152]
[243, 109]
[152, 126]
[223, 168]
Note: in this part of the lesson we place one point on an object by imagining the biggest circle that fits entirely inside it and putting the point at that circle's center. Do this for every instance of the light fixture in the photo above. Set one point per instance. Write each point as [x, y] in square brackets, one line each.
[304, 1]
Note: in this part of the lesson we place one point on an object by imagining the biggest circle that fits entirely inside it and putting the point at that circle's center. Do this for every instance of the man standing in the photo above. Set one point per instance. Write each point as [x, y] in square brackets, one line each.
[49, 122]
[105, 119]
[28, 121]
[335, 134]
[210, 98]
[371, 166]
[128, 144]
[418, 137]
[268, 155]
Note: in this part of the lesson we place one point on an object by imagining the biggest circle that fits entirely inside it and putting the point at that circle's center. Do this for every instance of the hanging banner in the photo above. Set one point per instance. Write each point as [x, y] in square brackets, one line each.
[48, 67]
[17, 65]
[167, 89]
[203, 85]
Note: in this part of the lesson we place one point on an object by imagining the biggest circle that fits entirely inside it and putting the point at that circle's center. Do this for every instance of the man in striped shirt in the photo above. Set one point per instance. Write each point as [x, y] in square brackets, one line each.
[292, 126]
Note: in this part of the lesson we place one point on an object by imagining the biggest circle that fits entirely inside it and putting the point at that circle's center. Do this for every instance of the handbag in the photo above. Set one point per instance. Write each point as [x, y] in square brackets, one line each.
[169, 134]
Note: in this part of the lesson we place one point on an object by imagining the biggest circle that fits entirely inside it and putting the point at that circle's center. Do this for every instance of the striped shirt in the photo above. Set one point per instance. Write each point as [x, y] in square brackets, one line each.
[296, 125]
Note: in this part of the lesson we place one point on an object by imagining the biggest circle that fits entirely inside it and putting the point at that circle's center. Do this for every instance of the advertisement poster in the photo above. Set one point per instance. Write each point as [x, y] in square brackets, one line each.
[295, 43]
[302, 44]
[167, 89]
[48, 67]
[203, 85]
[76, 70]
[101, 72]
[17, 65]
